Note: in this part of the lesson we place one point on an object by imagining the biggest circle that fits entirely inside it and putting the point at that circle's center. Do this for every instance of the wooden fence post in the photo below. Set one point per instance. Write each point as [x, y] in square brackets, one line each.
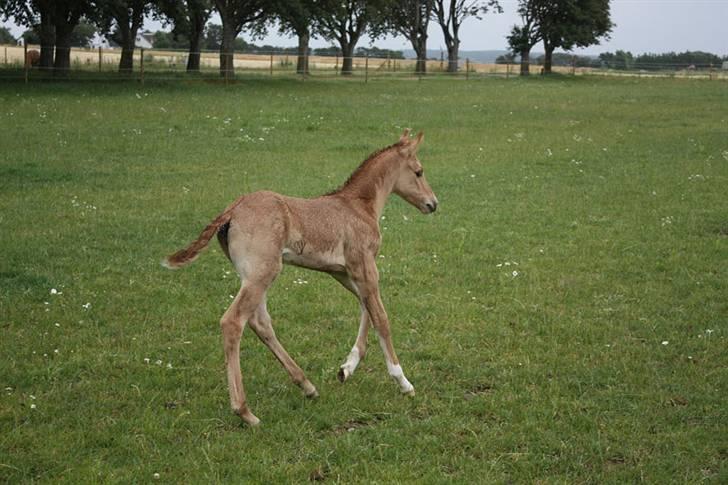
[100, 58]
[366, 69]
[141, 66]
[6, 56]
[25, 60]
[271, 64]
[508, 70]
[467, 68]
[336, 66]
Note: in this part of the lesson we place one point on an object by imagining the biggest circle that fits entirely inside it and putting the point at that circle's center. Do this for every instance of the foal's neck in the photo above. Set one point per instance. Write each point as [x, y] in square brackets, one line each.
[371, 184]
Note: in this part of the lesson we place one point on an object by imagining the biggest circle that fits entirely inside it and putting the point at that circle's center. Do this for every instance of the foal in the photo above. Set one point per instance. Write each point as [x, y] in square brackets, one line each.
[337, 233]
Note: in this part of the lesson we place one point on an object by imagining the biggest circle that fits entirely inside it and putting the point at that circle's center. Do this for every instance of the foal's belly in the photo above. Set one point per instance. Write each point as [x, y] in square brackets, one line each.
[330, 262]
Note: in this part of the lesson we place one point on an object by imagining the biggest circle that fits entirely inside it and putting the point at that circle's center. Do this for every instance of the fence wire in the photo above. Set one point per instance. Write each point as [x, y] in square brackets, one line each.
[22, 63]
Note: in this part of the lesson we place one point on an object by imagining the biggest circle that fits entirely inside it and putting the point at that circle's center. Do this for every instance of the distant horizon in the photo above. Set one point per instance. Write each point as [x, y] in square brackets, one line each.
[674, 26]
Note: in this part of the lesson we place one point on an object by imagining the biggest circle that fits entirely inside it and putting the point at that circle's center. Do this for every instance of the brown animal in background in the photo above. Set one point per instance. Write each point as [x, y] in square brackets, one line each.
[32, 58]
[336, 233]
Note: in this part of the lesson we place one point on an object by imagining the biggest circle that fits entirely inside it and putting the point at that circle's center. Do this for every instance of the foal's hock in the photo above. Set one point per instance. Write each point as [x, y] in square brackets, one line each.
[337, 233]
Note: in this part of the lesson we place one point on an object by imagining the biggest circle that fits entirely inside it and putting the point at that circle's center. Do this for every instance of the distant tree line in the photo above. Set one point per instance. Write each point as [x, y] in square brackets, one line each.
[56, 26]
[625, 60]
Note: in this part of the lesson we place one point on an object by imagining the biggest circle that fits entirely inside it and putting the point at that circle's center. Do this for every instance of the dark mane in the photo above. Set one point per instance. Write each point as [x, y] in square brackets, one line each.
[361, 166]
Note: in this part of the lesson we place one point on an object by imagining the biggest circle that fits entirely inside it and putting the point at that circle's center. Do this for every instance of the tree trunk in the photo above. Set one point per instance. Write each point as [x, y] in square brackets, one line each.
[420, 47]
[548, 56]
[197, 29]
[126, 63]
[347, 65]
[47, 34]
[62, 64]
[452, 57]
[302, 62]
[193, 56]
[227, 47]
[525, 62]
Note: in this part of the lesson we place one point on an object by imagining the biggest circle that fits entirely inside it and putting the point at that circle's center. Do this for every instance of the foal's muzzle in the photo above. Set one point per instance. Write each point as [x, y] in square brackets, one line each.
[431, 206]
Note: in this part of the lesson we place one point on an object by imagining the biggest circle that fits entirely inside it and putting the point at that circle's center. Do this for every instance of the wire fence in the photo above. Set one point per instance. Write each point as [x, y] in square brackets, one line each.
[22, 63]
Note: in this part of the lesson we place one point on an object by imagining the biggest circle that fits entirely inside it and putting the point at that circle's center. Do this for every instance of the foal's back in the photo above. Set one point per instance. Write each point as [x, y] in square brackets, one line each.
[312, 233]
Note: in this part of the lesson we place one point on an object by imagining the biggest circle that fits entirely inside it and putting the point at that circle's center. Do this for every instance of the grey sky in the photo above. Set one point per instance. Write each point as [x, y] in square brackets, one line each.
[642, 26]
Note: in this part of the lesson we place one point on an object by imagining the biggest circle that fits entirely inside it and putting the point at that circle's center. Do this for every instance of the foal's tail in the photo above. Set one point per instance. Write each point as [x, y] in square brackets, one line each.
[190, 253]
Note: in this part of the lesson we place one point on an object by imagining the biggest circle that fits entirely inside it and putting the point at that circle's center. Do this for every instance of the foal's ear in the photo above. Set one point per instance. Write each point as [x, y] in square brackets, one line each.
[405, 136]
[417, 141]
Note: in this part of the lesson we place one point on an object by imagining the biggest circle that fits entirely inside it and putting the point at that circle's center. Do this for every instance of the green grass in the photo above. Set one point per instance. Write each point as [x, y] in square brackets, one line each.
[603, 359]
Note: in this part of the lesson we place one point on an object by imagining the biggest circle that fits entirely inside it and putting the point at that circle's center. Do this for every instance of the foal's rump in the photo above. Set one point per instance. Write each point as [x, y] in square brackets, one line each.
[190, 253]
[255, 223]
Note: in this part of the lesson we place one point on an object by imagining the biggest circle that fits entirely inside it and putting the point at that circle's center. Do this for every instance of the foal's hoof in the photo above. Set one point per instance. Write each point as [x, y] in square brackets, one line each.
[343, 374]
[249, 418]
[409, 392]
[309, 390]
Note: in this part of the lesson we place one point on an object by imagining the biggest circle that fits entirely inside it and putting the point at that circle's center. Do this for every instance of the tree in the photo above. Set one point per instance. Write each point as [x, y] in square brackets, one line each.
[235, 15]
[411, 19]
[507, 58]
[189, 18]
[123, 19]
[66, 17]
[618, 60]
[38, 15]
[296, 17]
[6, 37]
[212, 40]
[523, 37]
[451, 14]
[569, 23]
[30, 37]
[82, 34]
[345, 22]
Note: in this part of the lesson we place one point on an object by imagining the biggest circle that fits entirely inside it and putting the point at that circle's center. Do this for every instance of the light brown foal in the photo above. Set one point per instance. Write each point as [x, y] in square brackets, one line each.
[337, 233]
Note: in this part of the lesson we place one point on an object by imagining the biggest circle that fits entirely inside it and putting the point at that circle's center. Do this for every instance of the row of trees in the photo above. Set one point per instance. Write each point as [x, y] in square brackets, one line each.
[562, 24]
[653, 62]
[343, 22]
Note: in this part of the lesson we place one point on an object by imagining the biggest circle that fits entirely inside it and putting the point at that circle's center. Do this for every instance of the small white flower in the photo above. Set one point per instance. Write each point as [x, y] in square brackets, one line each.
[158, 362]
[156, 476]
[515, 273]
[57, 324]
[169, 365]
[709, 331]
[32, 406]
[54, 291]
[146, 360]
[55, 351]
[87, 306]
[665, 342]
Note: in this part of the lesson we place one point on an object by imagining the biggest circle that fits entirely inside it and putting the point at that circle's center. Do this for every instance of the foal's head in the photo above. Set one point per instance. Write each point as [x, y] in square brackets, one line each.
[411, 183]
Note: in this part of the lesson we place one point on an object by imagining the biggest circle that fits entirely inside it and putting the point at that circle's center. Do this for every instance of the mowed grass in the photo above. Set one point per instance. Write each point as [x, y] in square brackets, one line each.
[563, 316]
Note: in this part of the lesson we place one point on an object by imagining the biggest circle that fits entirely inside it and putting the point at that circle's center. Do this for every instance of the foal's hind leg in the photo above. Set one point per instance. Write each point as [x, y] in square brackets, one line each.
[232, 324]
[263, 327]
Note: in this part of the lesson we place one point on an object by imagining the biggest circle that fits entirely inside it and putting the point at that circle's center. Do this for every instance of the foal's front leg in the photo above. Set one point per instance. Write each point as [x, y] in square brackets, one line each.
[358, 350]
[366, 279]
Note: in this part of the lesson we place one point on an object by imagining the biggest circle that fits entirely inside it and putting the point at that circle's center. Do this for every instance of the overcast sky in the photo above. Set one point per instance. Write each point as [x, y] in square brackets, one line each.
[642, 26]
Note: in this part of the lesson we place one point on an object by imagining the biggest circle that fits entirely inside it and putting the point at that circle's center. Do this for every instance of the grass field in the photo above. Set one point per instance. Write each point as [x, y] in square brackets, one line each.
[563, 316]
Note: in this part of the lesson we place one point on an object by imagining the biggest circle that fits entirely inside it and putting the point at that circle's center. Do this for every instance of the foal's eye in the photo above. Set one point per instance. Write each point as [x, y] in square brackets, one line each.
[419, 173]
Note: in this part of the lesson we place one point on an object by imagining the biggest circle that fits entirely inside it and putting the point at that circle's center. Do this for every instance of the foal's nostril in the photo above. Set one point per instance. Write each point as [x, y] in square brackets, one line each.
[432, 206]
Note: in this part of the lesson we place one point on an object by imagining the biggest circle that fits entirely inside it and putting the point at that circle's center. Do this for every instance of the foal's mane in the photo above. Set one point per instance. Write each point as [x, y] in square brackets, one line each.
[362, 166]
